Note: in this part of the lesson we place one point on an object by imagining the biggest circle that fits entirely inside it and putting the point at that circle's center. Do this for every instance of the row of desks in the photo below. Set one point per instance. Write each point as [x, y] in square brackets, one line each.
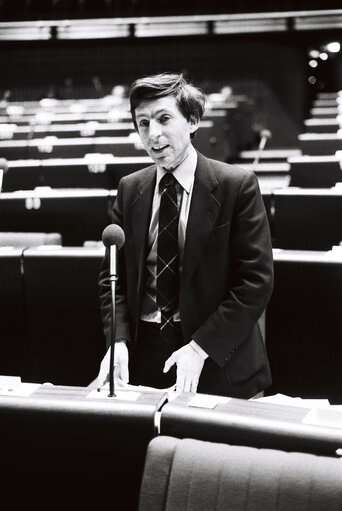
[300, 218]
[67, 450]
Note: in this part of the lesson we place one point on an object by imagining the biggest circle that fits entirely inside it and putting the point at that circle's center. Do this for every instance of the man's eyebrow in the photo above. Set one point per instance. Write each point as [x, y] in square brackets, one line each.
[158, 112]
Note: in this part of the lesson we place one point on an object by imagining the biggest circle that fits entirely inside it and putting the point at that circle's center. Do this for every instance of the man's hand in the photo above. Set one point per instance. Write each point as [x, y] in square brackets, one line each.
[189, 367]
[120, 364]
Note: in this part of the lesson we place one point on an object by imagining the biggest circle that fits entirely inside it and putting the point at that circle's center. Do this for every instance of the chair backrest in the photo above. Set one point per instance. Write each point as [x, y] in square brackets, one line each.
[193, 474]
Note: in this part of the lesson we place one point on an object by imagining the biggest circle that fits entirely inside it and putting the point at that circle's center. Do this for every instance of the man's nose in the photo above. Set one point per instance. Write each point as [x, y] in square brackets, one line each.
[155, 129]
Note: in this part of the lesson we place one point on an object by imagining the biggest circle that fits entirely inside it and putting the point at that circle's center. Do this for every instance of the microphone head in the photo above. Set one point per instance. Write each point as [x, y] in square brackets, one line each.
[113, 235]
[265, 133]
[3, 164]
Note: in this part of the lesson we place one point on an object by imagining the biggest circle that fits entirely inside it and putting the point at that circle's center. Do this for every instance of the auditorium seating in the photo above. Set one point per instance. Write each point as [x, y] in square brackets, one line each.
[192, 474]
[77, 214]
[303, 324]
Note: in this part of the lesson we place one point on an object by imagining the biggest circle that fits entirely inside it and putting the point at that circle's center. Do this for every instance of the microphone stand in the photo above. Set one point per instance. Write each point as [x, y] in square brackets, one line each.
[113, 278]
[265, 134]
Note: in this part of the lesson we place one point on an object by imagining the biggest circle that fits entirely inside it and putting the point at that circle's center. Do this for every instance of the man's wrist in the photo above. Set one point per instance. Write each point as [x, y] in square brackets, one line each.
[198, 349]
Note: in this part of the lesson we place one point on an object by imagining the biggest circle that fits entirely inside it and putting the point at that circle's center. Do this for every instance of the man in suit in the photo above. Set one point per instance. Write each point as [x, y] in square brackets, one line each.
[205, 337]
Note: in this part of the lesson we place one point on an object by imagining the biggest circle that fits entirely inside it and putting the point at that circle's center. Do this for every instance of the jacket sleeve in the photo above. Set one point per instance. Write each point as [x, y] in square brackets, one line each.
[251, 277]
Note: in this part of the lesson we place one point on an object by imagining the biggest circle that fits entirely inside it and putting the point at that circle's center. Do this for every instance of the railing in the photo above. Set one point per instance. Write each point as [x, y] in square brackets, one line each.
[166, 26]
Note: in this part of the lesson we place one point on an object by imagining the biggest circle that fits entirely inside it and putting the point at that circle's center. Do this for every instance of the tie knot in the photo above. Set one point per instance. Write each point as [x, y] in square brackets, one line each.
[167, 180]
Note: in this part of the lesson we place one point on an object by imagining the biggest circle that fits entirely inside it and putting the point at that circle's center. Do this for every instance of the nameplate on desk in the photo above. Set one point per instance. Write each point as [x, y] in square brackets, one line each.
[207, 401]
[19, 390]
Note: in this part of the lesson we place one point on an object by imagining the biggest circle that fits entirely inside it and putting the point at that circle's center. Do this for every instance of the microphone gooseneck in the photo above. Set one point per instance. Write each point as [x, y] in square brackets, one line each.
[265, 134]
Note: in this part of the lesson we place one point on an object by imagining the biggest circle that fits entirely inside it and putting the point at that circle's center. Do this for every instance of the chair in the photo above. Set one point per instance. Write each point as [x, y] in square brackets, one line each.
[192, 474]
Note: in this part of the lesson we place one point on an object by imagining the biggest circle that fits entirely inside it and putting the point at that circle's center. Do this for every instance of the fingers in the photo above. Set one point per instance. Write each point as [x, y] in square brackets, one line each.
[186, 383]
[125, 373]
[169, 363]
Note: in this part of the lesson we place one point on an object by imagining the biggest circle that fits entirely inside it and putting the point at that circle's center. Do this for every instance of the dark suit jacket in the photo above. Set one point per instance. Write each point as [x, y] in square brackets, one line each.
[227, 274]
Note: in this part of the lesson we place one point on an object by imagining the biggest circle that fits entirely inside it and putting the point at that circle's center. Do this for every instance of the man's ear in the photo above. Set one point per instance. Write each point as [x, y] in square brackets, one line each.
[194, 123]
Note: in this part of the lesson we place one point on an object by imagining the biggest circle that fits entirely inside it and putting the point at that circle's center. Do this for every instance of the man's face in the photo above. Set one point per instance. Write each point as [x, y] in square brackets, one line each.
[164, 131]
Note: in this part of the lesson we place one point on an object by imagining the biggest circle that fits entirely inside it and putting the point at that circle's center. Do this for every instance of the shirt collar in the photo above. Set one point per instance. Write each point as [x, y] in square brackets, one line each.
[184, 173]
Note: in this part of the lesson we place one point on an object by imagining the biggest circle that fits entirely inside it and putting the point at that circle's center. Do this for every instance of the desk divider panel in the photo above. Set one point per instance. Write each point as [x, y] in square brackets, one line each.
[64, 451]
[65, 335]
[315, 171]
[307, 219]
[13, 338]
[304, 327]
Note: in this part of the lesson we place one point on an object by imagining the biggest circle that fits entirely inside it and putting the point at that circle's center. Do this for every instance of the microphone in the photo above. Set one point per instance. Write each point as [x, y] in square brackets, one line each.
[264, 136]
[113, 239]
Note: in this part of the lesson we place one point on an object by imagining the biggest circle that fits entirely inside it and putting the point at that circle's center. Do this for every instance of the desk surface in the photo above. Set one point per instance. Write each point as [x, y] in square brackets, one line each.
[241, 422]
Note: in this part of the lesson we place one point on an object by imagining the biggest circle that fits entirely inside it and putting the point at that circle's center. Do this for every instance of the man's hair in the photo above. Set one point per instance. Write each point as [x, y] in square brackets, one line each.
[190, 99]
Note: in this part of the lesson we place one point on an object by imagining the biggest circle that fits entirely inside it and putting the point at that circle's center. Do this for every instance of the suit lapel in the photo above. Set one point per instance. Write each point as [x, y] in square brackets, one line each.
[202, 216]
[141, 208]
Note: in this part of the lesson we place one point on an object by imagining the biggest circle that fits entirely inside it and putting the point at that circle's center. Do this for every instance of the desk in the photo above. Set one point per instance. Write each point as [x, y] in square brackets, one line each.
[78, 215]
[314, 171]
[53, 147]
[307, 218]
[64, 451]
[322, 125]
[303, 325]
[320, 143]
[92, 171]
[252, 423]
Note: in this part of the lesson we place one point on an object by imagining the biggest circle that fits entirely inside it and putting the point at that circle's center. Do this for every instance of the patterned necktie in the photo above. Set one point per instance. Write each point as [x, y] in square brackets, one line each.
[167, 254]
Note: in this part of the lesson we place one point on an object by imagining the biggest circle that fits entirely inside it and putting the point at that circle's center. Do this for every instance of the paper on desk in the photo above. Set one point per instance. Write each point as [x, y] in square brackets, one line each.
[207, 401]
[282, 399]
[331, 417]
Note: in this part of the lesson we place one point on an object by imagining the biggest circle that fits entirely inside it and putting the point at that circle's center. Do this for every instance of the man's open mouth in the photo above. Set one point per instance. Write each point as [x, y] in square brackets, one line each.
[159, 148]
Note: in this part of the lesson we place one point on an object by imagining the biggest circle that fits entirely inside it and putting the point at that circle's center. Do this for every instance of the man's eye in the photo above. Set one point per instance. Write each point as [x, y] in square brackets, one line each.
[143, 124]
[164, 119]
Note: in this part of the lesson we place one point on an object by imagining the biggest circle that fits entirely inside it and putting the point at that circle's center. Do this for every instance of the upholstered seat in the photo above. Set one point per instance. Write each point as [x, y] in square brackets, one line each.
[195, 475]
